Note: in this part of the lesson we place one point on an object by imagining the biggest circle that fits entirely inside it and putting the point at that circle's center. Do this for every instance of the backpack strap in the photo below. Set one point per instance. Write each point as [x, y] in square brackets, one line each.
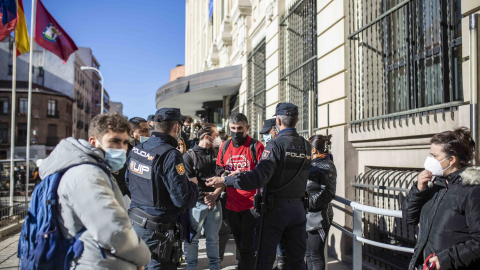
[253, 150]
[193, 156]
[224, 149]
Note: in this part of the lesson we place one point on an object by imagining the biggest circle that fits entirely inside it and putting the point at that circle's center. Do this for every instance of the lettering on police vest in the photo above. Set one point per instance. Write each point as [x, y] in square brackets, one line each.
[143, 153]
[296, 155]
[140, 169]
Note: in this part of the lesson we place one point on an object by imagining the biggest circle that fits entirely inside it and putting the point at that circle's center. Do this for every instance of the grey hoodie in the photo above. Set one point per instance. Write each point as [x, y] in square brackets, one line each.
[88, 198]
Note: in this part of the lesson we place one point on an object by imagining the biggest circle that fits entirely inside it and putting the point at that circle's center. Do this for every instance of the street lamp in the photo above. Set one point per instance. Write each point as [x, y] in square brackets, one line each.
[101, 77]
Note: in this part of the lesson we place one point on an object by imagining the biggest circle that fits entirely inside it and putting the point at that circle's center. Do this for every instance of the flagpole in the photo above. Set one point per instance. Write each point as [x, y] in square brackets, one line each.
[14, 111]
[30, 74]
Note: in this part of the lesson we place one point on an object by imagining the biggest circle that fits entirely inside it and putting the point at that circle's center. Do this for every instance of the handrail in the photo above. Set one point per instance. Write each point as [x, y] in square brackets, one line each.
[356, 235]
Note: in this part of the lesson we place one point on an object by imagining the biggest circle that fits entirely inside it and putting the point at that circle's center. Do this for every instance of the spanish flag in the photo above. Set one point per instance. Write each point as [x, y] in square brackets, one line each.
[21, 38]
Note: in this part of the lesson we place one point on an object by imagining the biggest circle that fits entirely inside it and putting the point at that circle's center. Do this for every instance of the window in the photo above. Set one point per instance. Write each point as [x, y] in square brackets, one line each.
[10, 70]
[404, 56]
[22, 134]
[41, 72]
[4, 132]
[256, 97]
[298, 62]
[52, 138]
[52, 108]
[3, 105]
[23, 106]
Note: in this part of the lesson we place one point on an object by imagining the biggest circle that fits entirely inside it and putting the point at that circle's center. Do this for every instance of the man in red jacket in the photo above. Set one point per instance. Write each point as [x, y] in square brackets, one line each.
[241, 152]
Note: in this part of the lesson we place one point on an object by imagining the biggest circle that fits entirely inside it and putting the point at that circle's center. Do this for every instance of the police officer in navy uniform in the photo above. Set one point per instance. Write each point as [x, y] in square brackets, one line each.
[282, 172]
[160, 189]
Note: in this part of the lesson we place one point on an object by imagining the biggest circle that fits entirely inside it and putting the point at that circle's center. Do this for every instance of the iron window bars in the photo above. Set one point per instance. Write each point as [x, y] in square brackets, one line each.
[405, 59]
[298, 62]
[257, 84]
[386, 188]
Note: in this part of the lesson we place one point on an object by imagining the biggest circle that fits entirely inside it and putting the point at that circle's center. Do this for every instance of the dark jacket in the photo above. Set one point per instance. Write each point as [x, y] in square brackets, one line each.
[280, 162]
[321, 186]
[161, 187]
[120, 175]
[449, 217]
[206, 163]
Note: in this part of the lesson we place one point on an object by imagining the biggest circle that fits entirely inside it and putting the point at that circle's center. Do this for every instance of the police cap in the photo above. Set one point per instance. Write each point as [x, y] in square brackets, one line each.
[168, 114]
[288, 109]
[267, 125]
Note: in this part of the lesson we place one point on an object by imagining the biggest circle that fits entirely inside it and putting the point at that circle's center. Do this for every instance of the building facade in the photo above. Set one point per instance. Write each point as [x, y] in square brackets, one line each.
[380, 76]
[51, 119]
[50, 72]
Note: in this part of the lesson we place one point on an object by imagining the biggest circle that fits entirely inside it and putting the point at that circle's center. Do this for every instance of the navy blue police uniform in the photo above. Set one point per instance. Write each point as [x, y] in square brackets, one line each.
[282, 172]
[160, 191]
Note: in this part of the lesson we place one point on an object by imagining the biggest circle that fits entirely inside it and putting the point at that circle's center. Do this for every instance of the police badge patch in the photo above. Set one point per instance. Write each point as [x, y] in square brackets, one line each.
[180, 169]
[265, 154]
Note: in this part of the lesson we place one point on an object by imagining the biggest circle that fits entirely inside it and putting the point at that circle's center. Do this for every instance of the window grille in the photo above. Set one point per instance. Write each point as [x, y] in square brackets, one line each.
[256, 98]
[405, 58]
[386, 188]
[298, 62]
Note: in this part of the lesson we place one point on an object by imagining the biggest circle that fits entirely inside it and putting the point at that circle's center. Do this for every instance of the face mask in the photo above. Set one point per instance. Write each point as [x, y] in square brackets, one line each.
[238, 137]
[267, 137]
[143, 139]
[277, 128]
[115, 158]
[217, 142]
[435, 166]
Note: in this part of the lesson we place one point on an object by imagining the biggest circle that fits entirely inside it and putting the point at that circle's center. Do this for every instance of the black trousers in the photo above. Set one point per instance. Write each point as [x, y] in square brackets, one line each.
[242, 225]
[316, 249]
[285, 220]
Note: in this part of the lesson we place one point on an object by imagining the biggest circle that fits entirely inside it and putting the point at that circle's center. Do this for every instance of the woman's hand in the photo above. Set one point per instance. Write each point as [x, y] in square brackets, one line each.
[434, 259]
[422, 179]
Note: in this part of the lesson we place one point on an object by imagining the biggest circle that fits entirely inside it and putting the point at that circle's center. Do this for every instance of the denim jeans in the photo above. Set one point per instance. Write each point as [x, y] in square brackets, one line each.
[210, 220]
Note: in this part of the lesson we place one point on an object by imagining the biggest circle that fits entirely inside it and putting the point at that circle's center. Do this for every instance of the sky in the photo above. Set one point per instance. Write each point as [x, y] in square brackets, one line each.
[135, 42]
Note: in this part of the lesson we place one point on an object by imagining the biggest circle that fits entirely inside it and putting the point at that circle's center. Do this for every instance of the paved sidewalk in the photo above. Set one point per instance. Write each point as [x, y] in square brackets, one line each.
[9, 260]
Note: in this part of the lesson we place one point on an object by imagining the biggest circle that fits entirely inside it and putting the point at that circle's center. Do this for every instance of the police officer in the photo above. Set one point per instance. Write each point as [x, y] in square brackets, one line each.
[269, 131]
[282, 172]
[160, 189]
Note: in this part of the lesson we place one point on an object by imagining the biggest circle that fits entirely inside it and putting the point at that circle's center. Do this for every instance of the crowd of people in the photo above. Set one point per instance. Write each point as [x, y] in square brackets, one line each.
[140, 193]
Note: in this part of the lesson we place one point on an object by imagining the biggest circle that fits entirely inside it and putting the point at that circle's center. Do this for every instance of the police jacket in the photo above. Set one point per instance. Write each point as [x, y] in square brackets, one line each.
[205, 160]
[157, 180]
[281, 160]
[449, 217]
[321, 186]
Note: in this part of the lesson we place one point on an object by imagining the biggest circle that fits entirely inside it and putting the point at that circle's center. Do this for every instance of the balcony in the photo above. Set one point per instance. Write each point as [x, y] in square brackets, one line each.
[53, 114]
[51, 141]
[79, 124]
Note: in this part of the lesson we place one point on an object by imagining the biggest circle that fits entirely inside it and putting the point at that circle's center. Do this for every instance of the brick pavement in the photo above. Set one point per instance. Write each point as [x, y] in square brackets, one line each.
[9, 260]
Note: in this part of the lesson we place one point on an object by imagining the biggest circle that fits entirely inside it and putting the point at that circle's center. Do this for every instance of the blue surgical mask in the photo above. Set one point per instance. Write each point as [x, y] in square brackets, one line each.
[143, 139]
[267, 137]
[115, 158]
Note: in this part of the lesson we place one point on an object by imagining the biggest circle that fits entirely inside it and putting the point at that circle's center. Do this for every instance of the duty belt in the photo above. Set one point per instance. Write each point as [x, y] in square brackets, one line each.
[144, 220]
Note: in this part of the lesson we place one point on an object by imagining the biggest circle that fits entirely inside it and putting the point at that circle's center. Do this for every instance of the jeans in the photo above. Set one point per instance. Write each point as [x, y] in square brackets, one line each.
[316, 249]
[242, 225]
[210, 220]
[148, 236]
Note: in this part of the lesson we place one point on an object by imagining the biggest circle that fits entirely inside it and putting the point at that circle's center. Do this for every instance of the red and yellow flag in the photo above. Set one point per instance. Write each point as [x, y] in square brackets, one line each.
[21, 38]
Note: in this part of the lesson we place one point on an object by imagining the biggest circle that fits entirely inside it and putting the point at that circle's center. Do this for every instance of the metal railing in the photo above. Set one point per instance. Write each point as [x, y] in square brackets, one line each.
[357, 234]
[13, 214]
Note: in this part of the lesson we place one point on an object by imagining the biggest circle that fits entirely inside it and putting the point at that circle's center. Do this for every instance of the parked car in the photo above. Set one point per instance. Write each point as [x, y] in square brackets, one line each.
[19, 174]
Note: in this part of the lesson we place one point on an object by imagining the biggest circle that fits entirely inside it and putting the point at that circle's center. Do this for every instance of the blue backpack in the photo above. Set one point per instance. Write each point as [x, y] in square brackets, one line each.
[41, 244]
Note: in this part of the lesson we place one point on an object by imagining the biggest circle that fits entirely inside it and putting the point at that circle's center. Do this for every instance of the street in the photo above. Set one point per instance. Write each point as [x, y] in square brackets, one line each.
[9, 260]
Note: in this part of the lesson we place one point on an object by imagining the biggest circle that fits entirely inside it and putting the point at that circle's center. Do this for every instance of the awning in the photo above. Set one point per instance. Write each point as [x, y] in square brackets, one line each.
[189, 93]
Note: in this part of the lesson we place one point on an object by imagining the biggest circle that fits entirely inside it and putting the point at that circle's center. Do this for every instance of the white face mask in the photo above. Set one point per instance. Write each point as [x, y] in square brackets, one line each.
[435, 166]
[217, 142]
